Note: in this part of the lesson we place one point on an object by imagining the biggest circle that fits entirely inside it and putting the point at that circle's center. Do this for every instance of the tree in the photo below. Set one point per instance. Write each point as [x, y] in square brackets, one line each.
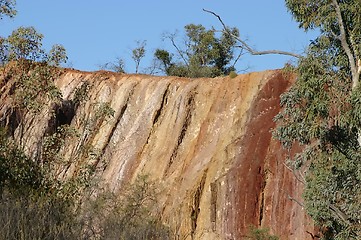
[165, 59]
[31, 72]
[57, 55]
[203, 53]
[322, 112]
[25, 43]
[138, 53]
[32, 69]
[32, 202]
[117, 66]
[7, 8]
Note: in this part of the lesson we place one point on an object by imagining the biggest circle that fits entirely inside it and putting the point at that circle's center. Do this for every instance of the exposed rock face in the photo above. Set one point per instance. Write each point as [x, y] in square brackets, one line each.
[207, 142]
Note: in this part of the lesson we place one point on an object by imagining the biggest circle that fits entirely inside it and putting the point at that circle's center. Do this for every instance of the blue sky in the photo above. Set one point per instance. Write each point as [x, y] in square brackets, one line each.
[96, 32]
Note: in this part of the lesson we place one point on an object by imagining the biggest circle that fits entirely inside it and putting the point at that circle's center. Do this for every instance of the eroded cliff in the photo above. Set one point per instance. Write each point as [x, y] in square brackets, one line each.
[206, 142]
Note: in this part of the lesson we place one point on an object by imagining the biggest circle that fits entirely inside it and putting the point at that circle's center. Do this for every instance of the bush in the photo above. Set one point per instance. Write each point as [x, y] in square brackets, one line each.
[260, 234]
[29, 204]
[128, 216]
[233, 74]
[30, 217]
[35, 206]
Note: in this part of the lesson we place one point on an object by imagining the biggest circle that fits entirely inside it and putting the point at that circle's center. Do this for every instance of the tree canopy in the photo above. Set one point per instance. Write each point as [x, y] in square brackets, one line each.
[7, 8]
[322, 112]
[203, 53]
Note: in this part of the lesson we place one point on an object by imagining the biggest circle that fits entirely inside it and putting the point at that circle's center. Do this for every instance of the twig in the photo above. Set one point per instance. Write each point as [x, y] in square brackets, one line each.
[300, 178]
[295, 200]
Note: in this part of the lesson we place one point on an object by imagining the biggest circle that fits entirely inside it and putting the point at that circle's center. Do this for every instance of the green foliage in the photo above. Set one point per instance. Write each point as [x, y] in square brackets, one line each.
[103, 111]
[23, 217]
[260, 234]
[233, 74]
[128, 216]
[34, 85]
[25, 43]
[18, 172]
[321, 14]
[322, 113]
[204, 54]
[53, 143]
[31, 70]
[165, 58]
[138, 53]
[100, 113]
[33, 205]
[57, 55]
[81, 93]
[7, 8]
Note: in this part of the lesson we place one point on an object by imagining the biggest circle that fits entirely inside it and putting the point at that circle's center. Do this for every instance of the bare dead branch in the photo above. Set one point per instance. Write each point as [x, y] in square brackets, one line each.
[238, 57]
[313, 236]
[171, 37]
[248, 48]
[300, 178]
[295, 200]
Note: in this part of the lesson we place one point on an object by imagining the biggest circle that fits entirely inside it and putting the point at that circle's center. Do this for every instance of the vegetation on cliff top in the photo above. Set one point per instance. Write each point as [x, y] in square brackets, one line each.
[201, 53]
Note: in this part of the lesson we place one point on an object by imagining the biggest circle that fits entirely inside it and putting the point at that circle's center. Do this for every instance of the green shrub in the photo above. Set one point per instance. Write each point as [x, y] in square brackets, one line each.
[260, 234]
[128, 216]
[29, 217]
[233, 74]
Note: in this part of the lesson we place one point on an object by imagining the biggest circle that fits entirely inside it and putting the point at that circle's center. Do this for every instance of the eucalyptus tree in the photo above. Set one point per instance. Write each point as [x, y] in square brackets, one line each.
[322, 112]
[138, 54]
[203, 53]
[7, 8]
[32, 72]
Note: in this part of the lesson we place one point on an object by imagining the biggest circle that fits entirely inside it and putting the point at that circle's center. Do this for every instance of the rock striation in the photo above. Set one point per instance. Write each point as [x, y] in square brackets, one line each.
[206, 142]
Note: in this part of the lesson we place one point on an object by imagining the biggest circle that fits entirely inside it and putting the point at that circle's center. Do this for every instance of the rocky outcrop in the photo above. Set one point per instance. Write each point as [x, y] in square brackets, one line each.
[206, 142]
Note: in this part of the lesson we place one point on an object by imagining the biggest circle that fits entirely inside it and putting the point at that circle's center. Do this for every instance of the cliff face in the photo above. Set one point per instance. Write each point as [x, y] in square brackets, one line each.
[206, 142]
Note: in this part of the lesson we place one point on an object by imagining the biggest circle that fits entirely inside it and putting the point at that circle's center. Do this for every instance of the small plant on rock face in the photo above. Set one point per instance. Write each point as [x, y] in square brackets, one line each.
[260, 234]
[233, 74]
[104, 110]
[53, 143]
[81, 93]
